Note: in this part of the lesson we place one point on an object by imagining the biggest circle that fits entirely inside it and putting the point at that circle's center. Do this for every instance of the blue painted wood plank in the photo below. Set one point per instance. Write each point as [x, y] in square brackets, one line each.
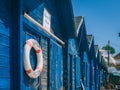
[4, 40]
[4, 83]
[37, 13]
[56, 75]
[4, 61]
[77, 72]
[3, 29]
[4, 72]
[4, 50]
[53, 66]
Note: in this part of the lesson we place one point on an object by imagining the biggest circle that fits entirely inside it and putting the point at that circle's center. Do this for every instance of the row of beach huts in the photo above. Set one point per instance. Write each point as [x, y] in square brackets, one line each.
[70, 59]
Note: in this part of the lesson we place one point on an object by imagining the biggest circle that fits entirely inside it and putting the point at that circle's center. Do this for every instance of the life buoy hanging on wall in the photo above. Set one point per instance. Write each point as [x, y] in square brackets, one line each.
[27, 47]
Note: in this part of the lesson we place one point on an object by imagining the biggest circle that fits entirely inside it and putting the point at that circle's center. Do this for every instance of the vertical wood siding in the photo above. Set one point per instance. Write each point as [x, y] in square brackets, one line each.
[73, 70]
[4, 46]
[56, 67]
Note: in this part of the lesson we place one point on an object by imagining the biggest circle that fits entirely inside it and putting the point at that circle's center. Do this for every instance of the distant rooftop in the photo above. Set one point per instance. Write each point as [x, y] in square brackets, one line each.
[96, 49]
[117, 57]
[78, 22]
[89, 37]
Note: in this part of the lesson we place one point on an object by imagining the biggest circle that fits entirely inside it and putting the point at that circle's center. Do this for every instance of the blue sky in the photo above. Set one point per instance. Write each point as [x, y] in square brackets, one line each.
[102, 19]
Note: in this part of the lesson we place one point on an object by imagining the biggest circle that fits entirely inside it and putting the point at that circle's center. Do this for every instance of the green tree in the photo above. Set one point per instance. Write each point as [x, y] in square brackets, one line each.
[112, 50]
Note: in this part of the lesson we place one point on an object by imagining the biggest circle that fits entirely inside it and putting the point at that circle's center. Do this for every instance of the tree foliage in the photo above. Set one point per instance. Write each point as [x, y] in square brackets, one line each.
[112, 50]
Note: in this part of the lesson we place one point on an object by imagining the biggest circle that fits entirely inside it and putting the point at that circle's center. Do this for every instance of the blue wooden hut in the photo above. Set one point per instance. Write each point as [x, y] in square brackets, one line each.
[83, 50]
[97, 68]
[92, 61]
[72, 67]
[51, 24]
[69, 58]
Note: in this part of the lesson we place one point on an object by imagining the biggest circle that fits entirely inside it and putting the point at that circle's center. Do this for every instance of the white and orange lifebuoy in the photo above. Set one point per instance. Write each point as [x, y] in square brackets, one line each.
[29, 71]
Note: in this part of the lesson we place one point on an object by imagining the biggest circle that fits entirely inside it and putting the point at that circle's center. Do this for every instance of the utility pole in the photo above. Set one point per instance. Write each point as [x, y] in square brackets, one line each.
[108, 62]
[108, 52]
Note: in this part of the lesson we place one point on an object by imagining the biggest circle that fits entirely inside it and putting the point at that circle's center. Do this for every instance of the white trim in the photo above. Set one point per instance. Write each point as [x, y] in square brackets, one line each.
[40, 26]
[83, 87]
[79, 26]
[91, 41]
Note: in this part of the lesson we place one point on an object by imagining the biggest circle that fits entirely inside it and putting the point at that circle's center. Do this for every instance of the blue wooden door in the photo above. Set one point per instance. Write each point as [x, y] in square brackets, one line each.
[72, 72]
[93, 75]
[77, 60]
[97, 78]
[85, 70]
[55, 66]
[88, 76]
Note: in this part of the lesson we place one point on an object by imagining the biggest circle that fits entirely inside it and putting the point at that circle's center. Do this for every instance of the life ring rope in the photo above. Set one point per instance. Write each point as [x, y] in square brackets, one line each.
[29, 71]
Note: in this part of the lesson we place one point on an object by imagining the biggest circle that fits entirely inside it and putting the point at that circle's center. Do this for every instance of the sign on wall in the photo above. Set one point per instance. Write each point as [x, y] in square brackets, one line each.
[46, 20]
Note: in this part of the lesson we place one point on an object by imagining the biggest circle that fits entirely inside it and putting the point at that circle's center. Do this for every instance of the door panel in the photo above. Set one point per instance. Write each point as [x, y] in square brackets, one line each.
[56, 66]
[72, 72]
[77, 73]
